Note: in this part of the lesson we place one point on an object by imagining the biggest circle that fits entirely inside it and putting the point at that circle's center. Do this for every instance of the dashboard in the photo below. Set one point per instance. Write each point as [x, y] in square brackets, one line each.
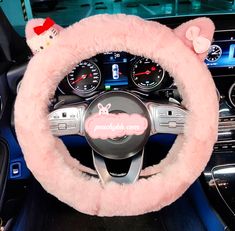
[120, 70]
[115, 71]
[222, 53]
[221, 63]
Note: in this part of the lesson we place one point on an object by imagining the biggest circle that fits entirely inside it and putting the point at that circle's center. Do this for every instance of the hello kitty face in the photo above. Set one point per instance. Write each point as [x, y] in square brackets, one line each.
[40, 33]
[42, 41]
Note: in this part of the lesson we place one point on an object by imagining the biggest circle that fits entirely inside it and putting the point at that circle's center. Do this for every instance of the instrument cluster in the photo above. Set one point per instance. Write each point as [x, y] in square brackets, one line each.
[115, 71]
[221, 63]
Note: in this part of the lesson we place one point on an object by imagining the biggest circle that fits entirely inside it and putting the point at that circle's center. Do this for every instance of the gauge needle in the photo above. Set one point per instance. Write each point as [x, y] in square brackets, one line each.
[79, 79]
[143, 73]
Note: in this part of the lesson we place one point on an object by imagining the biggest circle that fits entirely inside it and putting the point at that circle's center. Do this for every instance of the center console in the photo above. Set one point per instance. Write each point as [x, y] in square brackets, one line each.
[219, 174]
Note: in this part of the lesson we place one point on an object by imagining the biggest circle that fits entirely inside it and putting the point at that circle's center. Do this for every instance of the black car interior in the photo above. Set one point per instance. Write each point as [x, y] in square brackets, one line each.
[208, 205]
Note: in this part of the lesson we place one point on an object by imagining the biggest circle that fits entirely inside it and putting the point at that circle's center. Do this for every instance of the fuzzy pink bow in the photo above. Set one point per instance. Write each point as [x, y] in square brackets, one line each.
[200, 43]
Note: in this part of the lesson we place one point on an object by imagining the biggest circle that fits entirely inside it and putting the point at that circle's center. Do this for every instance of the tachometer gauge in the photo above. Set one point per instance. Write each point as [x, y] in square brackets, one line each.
[84, 78]
[146, 74]
[214, 53]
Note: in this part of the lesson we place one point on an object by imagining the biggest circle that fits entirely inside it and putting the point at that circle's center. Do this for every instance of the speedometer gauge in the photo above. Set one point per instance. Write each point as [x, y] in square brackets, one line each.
[146, 74]
[84, 78]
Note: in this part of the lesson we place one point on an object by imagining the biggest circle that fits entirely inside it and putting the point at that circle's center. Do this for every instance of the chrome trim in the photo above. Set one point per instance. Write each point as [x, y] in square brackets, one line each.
[229, 94]
[218, 188]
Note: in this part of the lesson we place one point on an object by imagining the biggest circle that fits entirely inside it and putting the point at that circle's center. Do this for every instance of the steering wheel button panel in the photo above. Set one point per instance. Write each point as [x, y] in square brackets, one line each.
[167, 118]
[67, 121]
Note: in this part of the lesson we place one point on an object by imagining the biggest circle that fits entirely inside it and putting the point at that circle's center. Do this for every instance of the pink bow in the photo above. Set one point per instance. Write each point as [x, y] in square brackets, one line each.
[200, 43]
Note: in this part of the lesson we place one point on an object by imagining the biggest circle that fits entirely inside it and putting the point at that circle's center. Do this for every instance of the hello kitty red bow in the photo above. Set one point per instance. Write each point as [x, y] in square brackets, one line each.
[48, 23]
[200, 43]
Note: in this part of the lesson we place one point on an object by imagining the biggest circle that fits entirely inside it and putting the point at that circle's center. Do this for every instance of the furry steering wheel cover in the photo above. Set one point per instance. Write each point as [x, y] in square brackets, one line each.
[48, 158]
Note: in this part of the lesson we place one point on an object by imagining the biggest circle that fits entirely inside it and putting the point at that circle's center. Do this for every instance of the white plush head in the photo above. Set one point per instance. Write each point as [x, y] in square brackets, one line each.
[40, 33]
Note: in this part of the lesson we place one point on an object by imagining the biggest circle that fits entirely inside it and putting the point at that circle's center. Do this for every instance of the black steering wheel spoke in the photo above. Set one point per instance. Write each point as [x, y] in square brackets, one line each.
[68, 120]
[162, 118]
[166, 118]
[128, 177]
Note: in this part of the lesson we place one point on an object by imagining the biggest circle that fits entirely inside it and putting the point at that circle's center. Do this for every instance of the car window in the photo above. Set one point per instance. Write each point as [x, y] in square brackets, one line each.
[74, 10]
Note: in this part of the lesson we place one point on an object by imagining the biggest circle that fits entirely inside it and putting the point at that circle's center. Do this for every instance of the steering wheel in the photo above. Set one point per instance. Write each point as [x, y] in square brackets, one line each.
[117, 124]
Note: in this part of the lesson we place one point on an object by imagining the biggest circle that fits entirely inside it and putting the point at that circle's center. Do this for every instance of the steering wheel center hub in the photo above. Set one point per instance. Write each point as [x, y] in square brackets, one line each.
[117, 125]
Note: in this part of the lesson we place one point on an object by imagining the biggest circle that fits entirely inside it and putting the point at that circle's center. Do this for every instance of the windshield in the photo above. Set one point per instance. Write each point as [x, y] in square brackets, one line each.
[66, 12]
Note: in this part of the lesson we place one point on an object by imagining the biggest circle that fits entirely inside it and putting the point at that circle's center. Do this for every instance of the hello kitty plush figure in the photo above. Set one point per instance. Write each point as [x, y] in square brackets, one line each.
[40, 33]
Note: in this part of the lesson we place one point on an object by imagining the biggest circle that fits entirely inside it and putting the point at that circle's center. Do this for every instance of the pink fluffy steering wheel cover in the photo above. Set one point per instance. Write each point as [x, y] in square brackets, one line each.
[47, 157]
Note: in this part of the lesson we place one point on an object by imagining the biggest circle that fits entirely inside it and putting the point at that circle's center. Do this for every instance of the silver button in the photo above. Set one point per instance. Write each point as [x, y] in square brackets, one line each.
[71, 125]
[62, 126]
[172, 124]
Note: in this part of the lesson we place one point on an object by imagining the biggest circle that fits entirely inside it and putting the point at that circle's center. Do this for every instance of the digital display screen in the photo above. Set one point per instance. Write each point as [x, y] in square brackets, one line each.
[115, 69]
[221, 54]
